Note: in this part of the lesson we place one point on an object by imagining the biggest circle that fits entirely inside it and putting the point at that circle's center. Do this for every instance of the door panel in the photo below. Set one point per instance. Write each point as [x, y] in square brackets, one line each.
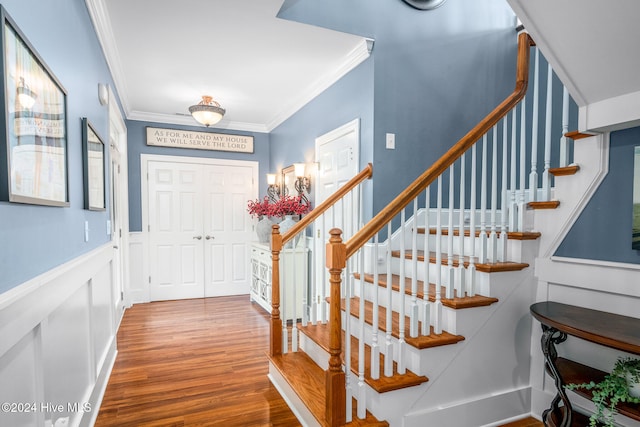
[175, 224]
[226, 223]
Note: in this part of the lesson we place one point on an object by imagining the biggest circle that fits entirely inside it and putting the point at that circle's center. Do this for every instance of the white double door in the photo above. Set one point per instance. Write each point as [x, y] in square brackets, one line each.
[199, 230]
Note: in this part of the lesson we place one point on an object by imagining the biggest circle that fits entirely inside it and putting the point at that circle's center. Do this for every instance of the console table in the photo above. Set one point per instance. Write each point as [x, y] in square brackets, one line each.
[608, 329]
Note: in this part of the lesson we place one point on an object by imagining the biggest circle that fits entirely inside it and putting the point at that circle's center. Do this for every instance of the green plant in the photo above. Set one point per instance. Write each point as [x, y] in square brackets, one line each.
[613, 389]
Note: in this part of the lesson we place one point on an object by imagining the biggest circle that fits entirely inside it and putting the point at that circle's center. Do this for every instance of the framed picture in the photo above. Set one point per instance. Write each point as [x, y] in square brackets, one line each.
[33, 163]
[94, 170]
[635, 232]
[288, 181]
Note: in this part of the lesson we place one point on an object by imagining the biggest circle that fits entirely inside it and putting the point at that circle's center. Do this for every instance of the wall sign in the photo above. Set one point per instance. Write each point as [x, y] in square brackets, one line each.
[199, 140]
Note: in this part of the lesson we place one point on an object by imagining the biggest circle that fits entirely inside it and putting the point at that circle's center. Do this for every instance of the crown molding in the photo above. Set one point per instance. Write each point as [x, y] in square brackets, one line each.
[102, 26]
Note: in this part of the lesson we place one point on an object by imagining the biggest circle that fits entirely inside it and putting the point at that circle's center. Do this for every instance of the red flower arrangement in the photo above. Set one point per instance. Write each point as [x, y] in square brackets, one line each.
[286, 205]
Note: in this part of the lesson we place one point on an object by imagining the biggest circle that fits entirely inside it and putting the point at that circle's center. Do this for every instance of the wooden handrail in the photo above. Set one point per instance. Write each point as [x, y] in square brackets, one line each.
[365, 173]
[428, 176]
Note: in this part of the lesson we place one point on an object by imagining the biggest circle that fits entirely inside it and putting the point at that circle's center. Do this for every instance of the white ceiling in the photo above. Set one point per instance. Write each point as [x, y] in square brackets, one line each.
[593, 47]
[165, 54]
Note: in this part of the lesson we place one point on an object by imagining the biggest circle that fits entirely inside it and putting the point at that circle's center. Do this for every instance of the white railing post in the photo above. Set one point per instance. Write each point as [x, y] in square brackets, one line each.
[438, 303]
[362, 390]
[401, 321]
[375, 346]
[461, 280]
[451, 280]
[502, 249]
[493, 236]
[546, 177]
[482, 255]
[513, 205]
[414, 314]
[523, 165]
[471, 272]
[533, 175]
[388, 345]
[564, 147]
[426, 313]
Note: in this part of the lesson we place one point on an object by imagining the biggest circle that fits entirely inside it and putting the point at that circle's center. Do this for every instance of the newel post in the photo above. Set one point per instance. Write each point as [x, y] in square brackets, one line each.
[335, 413]
[275, 346]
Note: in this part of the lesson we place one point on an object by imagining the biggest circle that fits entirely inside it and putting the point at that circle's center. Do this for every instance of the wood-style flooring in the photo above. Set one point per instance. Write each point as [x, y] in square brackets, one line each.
[199, 362]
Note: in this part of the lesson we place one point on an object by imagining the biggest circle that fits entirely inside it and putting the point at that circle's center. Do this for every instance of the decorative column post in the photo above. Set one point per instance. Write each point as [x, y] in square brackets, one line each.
[335, 411]
[275, 346]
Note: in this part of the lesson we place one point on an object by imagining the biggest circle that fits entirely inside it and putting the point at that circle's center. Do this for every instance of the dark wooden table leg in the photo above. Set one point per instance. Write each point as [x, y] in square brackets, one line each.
[551, 337]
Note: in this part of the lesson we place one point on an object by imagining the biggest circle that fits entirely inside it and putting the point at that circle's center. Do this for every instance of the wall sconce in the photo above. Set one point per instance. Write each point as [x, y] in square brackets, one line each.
[26, 97]
[273, 191]
[303, 183]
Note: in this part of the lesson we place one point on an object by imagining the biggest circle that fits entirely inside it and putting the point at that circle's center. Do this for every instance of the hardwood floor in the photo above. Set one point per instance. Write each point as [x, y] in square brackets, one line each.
[199, 362]
[194, 362]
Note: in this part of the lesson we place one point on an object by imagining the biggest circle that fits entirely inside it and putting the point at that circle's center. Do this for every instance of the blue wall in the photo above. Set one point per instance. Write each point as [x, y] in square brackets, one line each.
[603, 230]
[33, 238]
[435, 75]
[136, 135]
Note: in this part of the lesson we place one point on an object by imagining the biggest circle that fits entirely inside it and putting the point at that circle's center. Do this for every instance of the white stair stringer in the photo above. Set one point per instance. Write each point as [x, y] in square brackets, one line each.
[492, 360]
[574, 192]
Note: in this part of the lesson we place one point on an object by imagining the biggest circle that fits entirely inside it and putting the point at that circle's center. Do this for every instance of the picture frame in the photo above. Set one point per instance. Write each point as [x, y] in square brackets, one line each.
[34, 160]
[93, 160]
[288, 181]
[635, 227]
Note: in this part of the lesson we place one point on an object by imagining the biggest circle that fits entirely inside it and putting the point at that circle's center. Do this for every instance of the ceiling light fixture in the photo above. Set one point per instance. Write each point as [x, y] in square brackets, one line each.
[207, 112]
[26, 96]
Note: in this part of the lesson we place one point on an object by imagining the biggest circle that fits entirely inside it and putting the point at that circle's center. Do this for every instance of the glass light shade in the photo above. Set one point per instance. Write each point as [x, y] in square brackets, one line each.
[299, 169]
[207, 112]
[271, 179]
[26, 97]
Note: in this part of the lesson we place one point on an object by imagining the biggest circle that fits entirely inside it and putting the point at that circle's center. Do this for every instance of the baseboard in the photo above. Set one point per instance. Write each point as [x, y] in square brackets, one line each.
[487, 411]
[95, 400]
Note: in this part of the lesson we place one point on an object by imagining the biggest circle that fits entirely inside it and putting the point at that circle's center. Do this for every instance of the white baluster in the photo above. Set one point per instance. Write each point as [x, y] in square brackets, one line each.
[294, 291]
[513, 205]
[438, 304]
[362, 390]
[471, 271]
[461, 280]
[523, 165]
[451, 281]
[283, 303]
[533, 176]
[375, 347]
[546, 176]
[502, 249]
[401, 323]
[564, 147]
[482, 256]
[322, 298]
[426, 313]
[414, 314]
[388, 346]
[493, 237]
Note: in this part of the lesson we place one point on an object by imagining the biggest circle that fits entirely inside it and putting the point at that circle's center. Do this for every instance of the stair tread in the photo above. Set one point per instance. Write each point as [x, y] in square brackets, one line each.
[420, 342]
[512, 235]
[493, 267]
[565, 170]
[550, 204]
[320, 333]
[576, 134]
[308, 380]
[455, 302]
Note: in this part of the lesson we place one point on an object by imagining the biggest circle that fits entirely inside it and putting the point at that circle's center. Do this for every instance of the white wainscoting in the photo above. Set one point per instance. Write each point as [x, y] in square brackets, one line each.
[58, 343]
[138, 268]
[599, 285]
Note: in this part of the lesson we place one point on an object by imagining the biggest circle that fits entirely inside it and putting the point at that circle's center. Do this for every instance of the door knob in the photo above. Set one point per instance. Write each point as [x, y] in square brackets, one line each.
[198, 237]
[209, 237]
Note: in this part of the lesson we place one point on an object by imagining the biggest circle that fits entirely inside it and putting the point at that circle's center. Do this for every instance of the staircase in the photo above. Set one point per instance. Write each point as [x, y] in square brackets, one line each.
[418, 306]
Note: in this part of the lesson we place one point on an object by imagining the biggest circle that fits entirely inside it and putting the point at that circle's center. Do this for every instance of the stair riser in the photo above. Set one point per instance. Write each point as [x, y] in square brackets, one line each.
[467, 242]
[482, 278]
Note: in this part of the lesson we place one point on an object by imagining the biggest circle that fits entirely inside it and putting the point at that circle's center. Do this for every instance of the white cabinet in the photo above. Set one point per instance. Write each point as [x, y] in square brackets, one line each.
[294, 275]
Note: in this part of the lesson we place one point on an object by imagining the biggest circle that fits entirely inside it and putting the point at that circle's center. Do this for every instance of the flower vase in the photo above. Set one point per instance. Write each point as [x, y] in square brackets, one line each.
[263, 229]
[285, 225]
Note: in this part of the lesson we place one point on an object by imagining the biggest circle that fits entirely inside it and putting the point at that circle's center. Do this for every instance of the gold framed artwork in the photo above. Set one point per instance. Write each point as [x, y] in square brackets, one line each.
[94, 169]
